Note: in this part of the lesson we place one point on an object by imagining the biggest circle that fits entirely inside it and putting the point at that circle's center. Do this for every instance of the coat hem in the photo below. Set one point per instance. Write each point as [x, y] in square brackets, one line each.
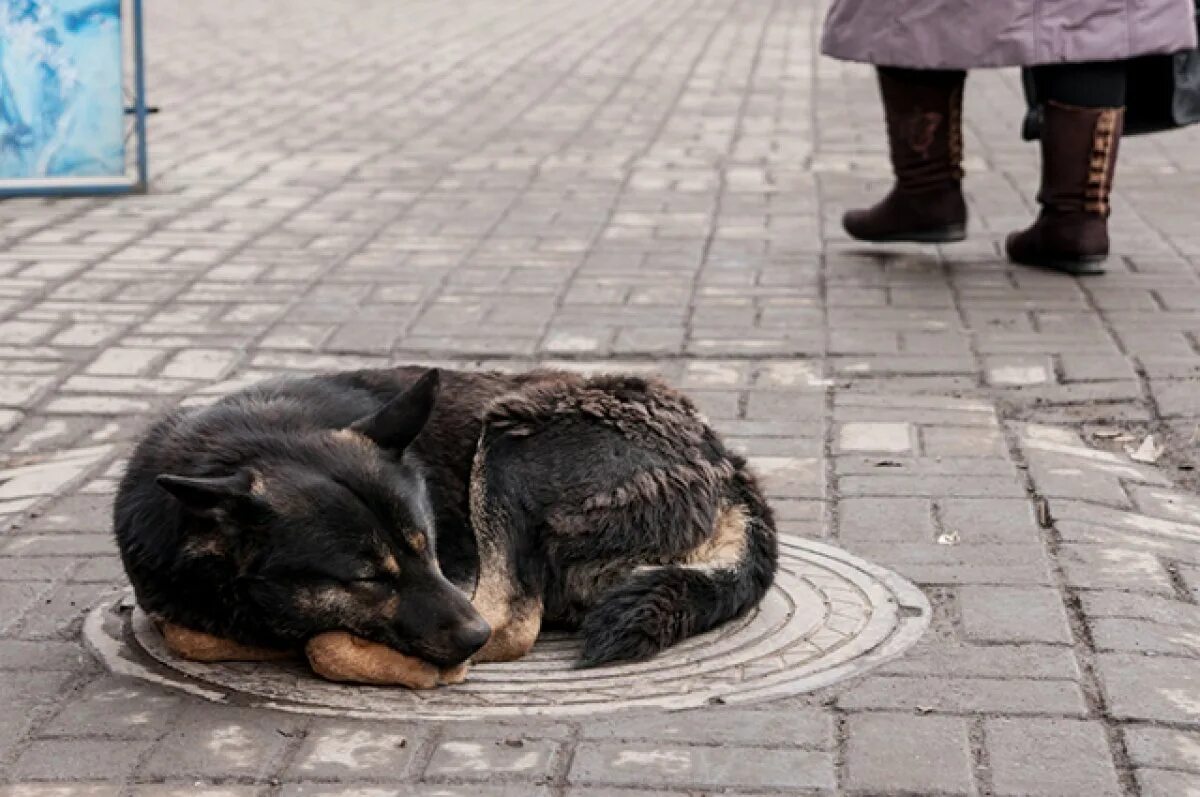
[999, 63]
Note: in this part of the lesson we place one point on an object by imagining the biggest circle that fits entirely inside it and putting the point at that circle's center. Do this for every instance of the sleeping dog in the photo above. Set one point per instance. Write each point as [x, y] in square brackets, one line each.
[430, 518]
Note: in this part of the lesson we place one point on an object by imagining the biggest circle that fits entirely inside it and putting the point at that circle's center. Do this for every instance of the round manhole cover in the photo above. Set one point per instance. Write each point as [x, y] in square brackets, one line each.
[829, 616]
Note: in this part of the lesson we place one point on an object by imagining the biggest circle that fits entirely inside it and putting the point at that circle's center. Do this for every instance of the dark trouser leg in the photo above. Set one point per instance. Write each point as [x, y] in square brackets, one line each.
[1100, 84]
[923, 110]
[1083, 113]
[946, 79]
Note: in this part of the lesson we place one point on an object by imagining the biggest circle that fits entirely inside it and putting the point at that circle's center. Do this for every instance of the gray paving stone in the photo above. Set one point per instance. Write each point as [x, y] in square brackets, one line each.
[471, 759]
[961, 441]
[1191, 579]
[720, 726]
[115, 707]
[1080, 367]
[1025, 660]
[1132, 605]
[411, 790]
[1013, 614]
[32, 545]
[931, 563]
[1108, 567]
[1000, 520]
[965, 695]
[1158, 783]
[1160, 688]
[902, 752]
[793, 406]
[932, 486]
[194, 790]
[199, 364]
[875, 436]
[1138, 542]
[1164, 748]
[355, 751]
[613, 791]
[60, 790]
[880, 519]
[37, 568]
[678, 767]
[1039, 757]
[124, 361]
[42, 655]
[1139, 636]
[60, 613]
[78, 759]
[221, 742]
[1067, 477]
[16, 598]
[913, 469]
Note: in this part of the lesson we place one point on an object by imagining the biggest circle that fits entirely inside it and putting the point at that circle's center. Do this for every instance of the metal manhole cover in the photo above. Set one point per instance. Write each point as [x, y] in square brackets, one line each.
[829, 616]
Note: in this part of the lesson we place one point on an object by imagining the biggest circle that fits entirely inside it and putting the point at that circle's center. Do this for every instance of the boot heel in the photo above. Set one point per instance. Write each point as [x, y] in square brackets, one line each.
[951, 233]
[1081, 266]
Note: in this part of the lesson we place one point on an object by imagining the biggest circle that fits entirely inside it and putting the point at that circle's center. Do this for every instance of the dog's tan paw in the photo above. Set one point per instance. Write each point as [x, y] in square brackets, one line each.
[340, 656]
[514, 640]
[199, 646]
[455, 675]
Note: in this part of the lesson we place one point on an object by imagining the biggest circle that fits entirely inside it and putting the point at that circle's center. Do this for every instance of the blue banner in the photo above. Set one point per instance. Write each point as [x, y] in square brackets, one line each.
[61, 101]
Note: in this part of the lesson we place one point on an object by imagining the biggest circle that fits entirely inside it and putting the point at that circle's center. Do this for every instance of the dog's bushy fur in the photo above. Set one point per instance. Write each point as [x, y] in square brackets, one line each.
[376, 501]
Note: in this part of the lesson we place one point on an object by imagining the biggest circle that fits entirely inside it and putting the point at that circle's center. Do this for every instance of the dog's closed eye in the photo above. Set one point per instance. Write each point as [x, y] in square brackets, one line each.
[380, 578]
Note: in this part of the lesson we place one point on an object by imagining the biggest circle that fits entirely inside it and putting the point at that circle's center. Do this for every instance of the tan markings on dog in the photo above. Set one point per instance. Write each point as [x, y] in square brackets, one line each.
[390, 607]
[353, 438]
[390, 564]
[282, 498]
[213, 545]
[418, 543]
[515, 623]
[199, 646]
[652, 484]
[493, 590]
[727, 545]
[515, 639]
[454, 675]
[585, 583]
[493, 595]
[258, 487]
[339, 656]
[328, 601]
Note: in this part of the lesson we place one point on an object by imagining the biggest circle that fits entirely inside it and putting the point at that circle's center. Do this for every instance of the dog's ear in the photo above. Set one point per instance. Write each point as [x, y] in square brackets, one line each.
[399, 421]
[203, 496]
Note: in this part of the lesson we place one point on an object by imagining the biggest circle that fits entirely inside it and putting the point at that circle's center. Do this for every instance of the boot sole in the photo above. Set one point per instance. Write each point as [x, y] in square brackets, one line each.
[1077, 266]
[942, 235]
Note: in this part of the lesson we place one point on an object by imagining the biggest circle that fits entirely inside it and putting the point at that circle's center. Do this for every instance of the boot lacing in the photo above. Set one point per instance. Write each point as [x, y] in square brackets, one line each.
[1097, 192]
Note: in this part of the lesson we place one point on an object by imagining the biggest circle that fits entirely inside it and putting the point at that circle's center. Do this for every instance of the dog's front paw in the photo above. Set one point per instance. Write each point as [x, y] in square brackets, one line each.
[454, 675]
[340, 656]
[199, 646]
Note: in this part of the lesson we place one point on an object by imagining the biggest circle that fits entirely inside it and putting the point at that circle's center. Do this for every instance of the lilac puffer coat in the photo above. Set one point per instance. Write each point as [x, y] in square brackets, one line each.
[965, 34]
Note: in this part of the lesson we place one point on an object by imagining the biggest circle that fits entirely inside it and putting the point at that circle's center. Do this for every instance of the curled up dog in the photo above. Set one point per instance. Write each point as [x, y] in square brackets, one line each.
[398, 524]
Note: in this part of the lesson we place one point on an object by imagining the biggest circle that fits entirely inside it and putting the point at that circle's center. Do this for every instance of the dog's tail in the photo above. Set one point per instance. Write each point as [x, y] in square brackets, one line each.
[659, 606]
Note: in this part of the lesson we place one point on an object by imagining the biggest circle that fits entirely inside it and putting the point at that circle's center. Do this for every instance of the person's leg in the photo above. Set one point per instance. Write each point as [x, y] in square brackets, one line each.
[923, 111]
[1082, 117]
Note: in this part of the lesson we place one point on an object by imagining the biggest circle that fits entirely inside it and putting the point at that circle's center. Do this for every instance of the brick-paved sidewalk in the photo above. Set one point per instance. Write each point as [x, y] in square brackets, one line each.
[639, 184]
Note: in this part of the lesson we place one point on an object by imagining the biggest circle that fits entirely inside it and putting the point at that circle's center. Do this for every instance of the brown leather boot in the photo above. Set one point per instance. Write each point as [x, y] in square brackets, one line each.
[924, 127]
[1079, 158]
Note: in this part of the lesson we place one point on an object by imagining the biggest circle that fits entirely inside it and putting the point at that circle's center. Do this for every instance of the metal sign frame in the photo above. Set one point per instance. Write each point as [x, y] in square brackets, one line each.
[136, 177]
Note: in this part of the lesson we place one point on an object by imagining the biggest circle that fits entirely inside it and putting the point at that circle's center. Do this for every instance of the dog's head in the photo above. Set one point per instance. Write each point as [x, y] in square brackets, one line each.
[332, 530]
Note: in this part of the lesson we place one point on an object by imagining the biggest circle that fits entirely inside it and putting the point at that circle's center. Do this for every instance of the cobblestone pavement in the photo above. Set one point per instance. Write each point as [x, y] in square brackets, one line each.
[641, 184]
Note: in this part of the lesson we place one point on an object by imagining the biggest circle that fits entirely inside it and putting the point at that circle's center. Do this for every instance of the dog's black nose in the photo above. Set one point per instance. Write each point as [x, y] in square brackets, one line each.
[470, 637]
